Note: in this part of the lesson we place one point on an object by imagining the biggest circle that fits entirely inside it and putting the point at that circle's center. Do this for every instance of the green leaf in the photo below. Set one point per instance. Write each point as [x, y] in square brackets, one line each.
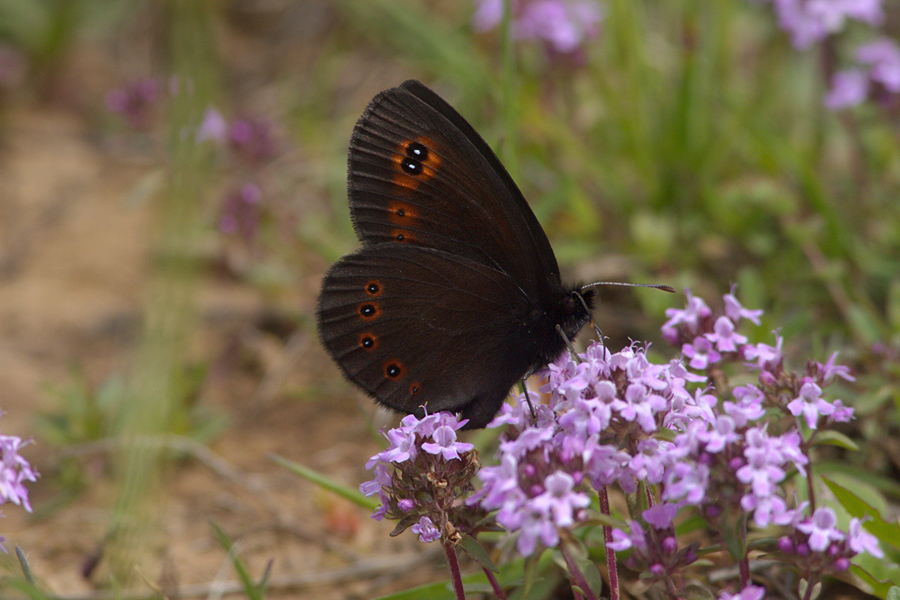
[835, 438]
[839, 471]
[877, 572]
[531, 571]
[432, 591]
[591, 574]
[886, 532]
[329, 484]
[254, 591]
[478, 553]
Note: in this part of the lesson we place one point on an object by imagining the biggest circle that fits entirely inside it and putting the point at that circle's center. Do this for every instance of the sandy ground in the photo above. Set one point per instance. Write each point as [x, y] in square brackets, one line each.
[73, 280]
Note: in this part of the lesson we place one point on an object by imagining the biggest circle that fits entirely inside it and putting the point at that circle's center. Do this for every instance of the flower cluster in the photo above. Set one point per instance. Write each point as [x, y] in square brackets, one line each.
[810, 21]
[619, 418]
[564, 25]
[241, 212]
[423, 477]
[14, 472]
[673, 437]
[136, 102]
[877, 73]
[816, 545]
[252, 143]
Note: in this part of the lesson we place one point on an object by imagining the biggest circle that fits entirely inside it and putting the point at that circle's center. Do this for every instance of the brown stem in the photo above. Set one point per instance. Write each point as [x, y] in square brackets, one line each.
[498, 591]
[455, 576]
[577, 576]
[610, 553]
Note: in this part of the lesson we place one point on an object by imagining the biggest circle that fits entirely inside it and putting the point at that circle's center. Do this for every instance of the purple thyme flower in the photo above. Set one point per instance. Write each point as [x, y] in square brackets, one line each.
[661, 516]
[426, 530]
[212, 127]
[136, 102]
[736, 312]
[830, 370]
[690, 318]
[810, 404]
[763, 472]
[883, 59]
[878, 63]
[241, 211]
[445, 443]
[821, 529]
[564, 25]
[382, 481]
[425, 476]
[810, 21]
[14, 471]
[253, 139]
[724, 337]
[751, 592]
[633, 538]
[748, 407]
[701, 353]
[766, 356]
[859, 540]
[848, 88]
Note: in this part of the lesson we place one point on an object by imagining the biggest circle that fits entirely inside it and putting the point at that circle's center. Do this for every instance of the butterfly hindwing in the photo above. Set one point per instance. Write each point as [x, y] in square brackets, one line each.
[395, 317]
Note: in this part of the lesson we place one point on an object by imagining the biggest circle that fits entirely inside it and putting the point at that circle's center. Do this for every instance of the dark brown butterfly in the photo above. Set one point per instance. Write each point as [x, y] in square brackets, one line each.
[455, 294]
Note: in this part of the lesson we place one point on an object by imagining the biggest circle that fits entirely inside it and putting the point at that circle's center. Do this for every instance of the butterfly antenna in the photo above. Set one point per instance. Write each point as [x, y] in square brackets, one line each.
[524, 391]
[665, 288]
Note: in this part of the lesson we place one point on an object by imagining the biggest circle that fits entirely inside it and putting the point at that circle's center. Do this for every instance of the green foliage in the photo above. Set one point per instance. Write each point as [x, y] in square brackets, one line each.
[328, 483]
[689, 146]
[254, 590]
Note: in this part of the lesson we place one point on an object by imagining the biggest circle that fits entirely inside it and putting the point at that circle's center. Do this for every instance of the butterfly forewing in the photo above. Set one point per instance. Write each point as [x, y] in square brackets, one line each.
[420, 175]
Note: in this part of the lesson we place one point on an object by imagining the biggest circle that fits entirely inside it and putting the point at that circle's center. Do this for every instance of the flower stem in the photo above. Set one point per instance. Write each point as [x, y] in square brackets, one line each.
[455, 576]
[498, 591]
[577, 576]
[610, 553]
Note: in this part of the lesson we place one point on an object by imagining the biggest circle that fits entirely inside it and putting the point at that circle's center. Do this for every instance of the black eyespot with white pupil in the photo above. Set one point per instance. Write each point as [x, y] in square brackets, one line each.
[411, 166]
[393, 370]
[416, 154]
[367, 342]
[373, 288]
[417, 151]
[368, 310]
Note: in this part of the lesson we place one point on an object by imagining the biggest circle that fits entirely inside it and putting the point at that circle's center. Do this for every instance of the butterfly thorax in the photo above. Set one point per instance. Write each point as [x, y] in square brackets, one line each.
[542, 341]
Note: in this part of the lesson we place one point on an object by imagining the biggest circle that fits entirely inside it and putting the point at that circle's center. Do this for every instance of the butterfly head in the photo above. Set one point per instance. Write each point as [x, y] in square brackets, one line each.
[576, 310]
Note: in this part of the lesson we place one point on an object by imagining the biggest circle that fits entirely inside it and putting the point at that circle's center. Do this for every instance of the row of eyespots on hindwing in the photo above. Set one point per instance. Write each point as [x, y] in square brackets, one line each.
[370, 311]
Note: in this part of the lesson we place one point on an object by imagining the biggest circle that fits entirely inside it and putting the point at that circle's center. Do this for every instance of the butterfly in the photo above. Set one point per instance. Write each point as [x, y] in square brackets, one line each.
[455, 294]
